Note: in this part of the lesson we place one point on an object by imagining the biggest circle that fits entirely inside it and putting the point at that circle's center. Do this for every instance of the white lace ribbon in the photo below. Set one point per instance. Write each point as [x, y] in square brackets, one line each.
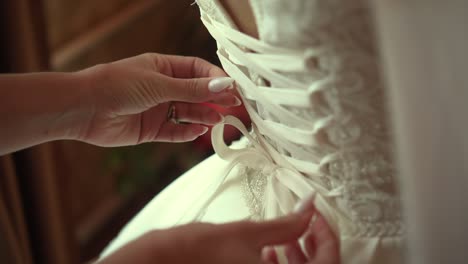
[285, 185]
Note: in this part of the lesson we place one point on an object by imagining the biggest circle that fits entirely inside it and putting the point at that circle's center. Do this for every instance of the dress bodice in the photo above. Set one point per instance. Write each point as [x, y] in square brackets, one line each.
[311, 86]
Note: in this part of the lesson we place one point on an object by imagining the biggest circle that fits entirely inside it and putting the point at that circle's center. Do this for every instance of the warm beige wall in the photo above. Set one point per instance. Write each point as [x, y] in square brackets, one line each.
[424, 46]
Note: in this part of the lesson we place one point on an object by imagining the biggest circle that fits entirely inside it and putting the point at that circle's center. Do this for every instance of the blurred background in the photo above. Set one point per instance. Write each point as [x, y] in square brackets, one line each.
[62, 202]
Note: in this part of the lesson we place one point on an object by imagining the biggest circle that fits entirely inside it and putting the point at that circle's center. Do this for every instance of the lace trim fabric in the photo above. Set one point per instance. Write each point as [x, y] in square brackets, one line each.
[325, 136]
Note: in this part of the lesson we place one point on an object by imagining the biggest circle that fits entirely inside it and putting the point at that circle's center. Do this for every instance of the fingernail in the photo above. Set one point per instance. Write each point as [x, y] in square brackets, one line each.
[268, 252]
[237, 101]
[219, 84]
[204, 130]
[305, 204]
[221, 118]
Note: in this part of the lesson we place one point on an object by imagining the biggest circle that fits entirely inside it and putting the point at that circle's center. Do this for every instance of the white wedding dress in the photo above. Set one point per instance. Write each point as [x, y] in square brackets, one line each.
[311, 86]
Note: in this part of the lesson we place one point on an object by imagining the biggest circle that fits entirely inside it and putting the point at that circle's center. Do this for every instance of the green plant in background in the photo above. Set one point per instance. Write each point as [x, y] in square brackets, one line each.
[146, 165]
[134, 167]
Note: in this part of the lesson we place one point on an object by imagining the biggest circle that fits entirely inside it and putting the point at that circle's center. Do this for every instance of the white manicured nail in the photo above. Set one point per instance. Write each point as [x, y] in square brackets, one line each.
[305, 204]
[205, 129]
[237, 102]
[221, 118]
[219, 84]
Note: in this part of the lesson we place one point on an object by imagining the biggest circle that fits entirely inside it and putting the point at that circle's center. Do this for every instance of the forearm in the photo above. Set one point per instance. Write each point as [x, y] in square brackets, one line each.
[40, 107]
[153, 247]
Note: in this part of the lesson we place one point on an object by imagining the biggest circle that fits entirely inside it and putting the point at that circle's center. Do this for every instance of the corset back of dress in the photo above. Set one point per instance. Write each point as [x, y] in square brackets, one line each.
[312, 88]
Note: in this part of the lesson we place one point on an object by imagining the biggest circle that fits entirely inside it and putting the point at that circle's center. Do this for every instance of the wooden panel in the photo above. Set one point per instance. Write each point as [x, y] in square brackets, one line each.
[68, 18]
[94, 192]
[164, 27]
[86, 179]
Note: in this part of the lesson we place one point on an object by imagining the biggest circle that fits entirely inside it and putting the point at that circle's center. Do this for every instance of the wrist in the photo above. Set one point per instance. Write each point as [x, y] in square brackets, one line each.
[41, 107]
[77, 107]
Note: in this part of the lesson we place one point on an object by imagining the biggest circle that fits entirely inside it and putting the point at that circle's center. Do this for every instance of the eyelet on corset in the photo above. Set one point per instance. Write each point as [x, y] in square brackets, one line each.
[312, 62]
[315, 97]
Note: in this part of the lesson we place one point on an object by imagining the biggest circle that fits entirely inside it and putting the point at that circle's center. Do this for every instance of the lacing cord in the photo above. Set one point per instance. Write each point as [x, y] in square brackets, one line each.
[286, 181]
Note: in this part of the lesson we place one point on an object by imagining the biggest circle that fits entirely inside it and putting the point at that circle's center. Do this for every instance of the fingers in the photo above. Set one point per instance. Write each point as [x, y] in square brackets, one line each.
[280, 231]
[193, 90]
[321, 244]
[186, 67]
[269, 256]
[170, 132]
[227, 100]
[294, 253]
[286, 229]
[196, 113]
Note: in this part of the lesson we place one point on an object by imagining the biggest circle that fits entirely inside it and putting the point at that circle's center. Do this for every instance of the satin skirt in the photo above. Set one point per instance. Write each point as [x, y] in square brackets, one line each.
[178, 203]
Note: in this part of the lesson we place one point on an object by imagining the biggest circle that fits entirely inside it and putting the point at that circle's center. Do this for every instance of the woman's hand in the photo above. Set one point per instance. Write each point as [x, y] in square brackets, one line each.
[239, 242]
[122, 103]
[320, 244]
[132, 100]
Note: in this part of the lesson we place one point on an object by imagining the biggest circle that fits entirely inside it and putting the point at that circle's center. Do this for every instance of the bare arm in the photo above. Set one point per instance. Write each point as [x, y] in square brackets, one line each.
[116, 104]
[32, 104]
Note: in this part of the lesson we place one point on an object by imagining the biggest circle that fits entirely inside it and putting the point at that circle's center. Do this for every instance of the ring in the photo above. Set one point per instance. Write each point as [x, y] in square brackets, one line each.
[172, 114]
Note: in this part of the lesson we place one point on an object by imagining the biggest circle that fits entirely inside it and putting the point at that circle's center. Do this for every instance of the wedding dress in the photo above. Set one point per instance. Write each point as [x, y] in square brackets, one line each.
[312, 89]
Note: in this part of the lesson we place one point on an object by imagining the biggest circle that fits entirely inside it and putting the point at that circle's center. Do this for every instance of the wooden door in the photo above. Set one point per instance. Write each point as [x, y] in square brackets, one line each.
[102, 187]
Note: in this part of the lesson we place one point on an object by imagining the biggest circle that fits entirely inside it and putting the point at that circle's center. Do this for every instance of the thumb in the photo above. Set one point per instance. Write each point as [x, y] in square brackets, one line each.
[282, 230]
[286, 229]
[195, 90]
[279, 231]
